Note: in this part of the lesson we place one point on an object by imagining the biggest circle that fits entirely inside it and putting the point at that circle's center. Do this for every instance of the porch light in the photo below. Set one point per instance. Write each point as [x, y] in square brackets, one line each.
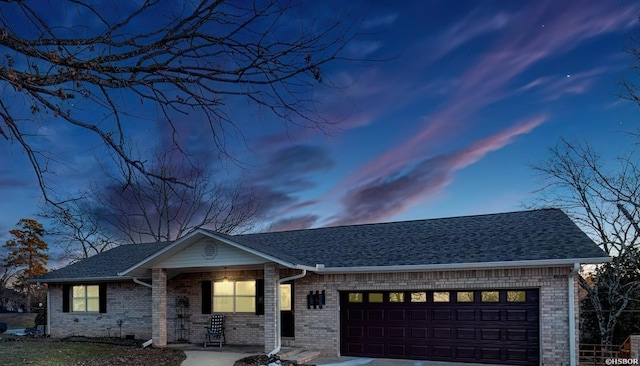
[225, 278]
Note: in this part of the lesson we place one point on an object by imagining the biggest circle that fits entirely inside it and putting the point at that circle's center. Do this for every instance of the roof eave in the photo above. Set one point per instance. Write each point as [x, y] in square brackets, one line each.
[80, 279]
[463, 266]
[213, 236]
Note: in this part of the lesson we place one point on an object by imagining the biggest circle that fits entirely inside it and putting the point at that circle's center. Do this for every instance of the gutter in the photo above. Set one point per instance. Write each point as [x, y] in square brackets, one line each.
[572, 315]
[462, 266]
[279, 327]
[136, 280]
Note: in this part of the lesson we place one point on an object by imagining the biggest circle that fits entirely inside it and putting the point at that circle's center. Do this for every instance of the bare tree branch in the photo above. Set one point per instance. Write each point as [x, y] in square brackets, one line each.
[153, 62]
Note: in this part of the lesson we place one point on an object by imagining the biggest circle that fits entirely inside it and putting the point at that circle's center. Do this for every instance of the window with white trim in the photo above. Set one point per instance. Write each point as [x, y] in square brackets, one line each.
[234, 296]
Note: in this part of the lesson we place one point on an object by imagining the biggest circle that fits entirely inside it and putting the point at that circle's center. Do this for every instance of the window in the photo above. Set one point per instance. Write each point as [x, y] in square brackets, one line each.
[464, 296]
[490, 296]
[355, 296]
[285, 297]
[234, 297]
[418, 297]
[516, 296]
[442, 296]
[86, 298]
[375, 297]
[396, 296]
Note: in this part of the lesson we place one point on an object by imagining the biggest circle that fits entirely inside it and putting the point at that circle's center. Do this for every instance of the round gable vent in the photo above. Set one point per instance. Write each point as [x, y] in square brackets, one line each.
[210, 250]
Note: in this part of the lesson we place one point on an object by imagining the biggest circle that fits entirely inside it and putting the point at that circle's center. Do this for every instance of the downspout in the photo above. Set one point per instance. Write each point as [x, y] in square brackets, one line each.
[142, 283]
[135, 280]
[279, 326]
[572, 315]
[48, 332]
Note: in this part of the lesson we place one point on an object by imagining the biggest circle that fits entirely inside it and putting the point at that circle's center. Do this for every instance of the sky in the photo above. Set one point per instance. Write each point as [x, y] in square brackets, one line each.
[461, 98]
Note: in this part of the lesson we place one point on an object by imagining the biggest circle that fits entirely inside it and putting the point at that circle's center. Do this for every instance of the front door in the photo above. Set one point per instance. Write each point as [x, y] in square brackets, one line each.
[286, 310]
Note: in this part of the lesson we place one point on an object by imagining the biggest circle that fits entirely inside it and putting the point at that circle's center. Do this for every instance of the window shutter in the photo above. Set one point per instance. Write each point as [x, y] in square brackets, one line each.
[102, 297]
[259, 297]
[206, 297]
[65, 298]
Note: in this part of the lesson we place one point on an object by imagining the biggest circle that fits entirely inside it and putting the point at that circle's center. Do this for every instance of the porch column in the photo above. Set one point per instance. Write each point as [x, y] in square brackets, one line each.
[271, 288]
[159, 306]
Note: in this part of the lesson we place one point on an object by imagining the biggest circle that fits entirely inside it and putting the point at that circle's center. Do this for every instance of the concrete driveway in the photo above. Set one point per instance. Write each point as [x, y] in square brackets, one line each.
[357, 361]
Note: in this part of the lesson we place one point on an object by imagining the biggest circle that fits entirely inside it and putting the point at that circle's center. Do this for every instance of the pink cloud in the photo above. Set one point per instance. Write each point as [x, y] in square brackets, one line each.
[388, 195]
[488, 80]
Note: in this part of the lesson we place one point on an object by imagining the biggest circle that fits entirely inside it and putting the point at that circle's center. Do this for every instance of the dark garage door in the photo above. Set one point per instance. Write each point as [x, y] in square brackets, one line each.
[488, 326]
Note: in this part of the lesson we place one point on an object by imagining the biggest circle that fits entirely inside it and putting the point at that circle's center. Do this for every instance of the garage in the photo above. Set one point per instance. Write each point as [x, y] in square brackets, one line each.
[481, 326]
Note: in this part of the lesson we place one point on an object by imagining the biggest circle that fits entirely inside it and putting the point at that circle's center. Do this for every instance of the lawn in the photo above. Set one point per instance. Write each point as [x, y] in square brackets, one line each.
[51, 352]
[18, 320]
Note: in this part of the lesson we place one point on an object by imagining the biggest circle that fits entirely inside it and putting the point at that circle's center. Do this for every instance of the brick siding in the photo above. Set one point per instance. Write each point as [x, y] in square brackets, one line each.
[126, 301]
[315, 329]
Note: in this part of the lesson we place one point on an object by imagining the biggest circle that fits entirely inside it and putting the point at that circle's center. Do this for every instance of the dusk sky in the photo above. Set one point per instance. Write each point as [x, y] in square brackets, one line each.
[465, 96]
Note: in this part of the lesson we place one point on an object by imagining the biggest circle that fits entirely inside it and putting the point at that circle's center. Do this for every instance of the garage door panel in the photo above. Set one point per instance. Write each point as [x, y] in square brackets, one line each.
[441, 314]
[516, 335]
[466, 352]
[375, 314]
[504, 331]
[418, 333]
[397, 332]
[375, 332]
[490, 315]
[442, 351]
[355, 331]
[397, 350]
[490, 353]
[418, 352]
[376, 349]
[355, 314]
[418, 315]
[465, 333]
[489, 334]
[465, 314]
[397, 315]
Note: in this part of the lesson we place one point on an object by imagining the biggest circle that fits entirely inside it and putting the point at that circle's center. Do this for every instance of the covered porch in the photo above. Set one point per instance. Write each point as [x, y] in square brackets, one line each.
[204, 275]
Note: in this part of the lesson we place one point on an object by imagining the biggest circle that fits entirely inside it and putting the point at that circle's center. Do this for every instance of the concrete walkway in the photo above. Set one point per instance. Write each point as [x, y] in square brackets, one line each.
[215, 356]
[226, 356]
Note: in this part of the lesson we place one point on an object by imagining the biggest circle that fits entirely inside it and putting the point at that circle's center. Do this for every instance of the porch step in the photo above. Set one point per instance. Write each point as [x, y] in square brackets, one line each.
[298, 355]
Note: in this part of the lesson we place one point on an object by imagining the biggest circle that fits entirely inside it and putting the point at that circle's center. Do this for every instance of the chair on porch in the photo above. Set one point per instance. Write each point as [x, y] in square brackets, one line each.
[214, 333]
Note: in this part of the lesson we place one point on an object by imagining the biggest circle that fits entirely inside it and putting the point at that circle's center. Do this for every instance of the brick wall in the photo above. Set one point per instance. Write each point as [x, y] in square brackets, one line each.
[316, 329]
[240, 328]
[319, 329]
[127, 301]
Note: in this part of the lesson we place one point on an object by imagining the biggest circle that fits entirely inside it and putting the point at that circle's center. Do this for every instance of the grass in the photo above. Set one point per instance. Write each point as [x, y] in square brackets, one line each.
[51, 352]
[18, 320]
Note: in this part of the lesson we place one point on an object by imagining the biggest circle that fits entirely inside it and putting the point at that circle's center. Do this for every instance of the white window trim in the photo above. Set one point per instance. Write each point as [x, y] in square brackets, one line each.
[234, 297]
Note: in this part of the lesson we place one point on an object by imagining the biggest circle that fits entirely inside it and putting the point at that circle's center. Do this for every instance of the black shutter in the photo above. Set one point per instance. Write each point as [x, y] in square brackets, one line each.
[259, 297]
[65, 298]
[102, 299]
[206, 297]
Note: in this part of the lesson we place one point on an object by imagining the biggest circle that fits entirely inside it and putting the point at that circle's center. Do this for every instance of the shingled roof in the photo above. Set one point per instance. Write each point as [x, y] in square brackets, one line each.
[104, 266]
[515, 238]
[536, 235]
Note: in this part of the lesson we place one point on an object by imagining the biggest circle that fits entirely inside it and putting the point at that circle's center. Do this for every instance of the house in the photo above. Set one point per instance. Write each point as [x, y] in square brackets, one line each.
[497, 288]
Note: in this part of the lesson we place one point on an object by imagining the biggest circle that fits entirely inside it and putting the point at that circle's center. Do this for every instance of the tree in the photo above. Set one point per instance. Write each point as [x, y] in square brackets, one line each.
[27, 254]
[606, 204]
[130, 207]
[127, 62]
[78, 229]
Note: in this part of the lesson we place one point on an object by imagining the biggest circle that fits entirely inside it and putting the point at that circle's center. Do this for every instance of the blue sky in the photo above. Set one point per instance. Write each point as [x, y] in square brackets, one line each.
[468, 95]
